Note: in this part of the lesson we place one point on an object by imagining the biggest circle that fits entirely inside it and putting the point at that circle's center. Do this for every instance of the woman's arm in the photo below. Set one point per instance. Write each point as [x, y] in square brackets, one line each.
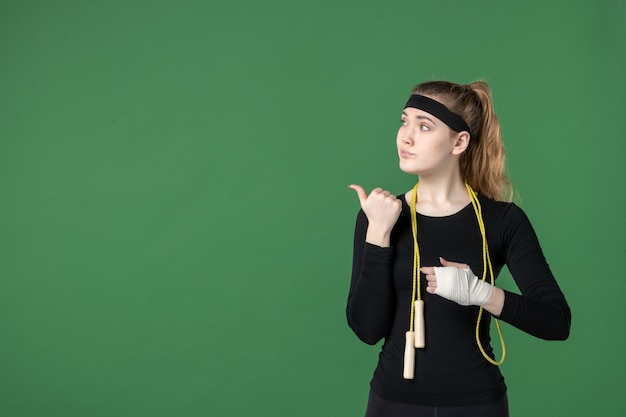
[541, 309]
[371, 298]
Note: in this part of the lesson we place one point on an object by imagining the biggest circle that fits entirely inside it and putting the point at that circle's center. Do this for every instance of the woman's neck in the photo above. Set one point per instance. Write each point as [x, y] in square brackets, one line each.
[440, 196]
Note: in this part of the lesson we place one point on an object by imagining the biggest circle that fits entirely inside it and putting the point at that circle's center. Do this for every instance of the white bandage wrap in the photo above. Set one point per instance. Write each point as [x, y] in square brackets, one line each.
[461, 286]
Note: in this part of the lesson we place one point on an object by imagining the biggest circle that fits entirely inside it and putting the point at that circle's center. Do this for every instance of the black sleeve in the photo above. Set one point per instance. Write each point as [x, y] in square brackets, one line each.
[541, 310]
[371, 298]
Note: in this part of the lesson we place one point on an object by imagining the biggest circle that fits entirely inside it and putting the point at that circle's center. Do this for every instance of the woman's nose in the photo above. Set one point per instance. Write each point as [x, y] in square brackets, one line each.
[407, 137]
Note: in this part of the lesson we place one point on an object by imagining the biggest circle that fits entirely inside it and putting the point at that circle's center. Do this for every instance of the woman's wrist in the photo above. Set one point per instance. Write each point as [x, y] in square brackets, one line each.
[378, 236]
[495, 304]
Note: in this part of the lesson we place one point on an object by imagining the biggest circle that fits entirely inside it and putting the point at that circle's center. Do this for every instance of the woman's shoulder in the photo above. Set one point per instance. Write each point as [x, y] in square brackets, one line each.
[503, 211]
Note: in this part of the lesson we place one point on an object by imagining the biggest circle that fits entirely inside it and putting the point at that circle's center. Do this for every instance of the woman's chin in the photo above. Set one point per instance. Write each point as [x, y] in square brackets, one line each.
[407, 167]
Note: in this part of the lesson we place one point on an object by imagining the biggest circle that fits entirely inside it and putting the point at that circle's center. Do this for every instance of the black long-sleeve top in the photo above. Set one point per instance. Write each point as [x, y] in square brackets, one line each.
[450, 370]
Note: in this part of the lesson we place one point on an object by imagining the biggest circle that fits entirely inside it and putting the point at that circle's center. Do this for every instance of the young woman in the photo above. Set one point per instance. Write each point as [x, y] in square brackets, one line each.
[425, 263]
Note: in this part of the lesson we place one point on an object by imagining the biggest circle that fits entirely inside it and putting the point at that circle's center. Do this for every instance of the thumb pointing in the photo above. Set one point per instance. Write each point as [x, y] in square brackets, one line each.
[360, 192]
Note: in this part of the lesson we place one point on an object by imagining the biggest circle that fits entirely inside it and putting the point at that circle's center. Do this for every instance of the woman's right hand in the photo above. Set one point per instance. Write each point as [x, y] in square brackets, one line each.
[382, 210]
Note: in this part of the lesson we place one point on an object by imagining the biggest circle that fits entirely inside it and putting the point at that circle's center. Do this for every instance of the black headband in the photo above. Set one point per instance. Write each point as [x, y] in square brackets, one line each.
[441, 112]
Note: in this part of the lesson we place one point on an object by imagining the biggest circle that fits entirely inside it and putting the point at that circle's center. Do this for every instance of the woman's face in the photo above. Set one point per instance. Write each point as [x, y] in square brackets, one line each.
[426, 145]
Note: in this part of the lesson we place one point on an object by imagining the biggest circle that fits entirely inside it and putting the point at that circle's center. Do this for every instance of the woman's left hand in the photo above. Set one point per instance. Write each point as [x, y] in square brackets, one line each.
[456, 282]
[429, 271]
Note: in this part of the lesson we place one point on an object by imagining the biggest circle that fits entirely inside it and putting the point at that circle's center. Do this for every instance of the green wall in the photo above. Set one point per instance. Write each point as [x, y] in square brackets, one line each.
[175, 222]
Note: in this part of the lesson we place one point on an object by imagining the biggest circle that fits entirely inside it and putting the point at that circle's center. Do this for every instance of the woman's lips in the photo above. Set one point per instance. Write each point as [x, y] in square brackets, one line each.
[405, 154]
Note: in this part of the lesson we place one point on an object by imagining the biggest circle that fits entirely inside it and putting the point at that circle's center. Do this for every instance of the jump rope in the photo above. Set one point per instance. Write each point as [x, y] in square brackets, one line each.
[415, 336]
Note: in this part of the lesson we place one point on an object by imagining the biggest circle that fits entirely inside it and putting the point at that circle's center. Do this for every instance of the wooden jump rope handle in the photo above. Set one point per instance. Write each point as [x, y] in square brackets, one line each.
[409, 356]
[419, 324]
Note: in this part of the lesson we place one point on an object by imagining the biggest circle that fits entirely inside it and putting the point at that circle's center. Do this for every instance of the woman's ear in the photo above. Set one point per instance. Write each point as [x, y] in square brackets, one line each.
[461, 142]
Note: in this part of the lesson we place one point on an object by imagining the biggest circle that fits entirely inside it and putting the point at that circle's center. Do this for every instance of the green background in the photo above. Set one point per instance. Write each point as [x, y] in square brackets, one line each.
[175, 222]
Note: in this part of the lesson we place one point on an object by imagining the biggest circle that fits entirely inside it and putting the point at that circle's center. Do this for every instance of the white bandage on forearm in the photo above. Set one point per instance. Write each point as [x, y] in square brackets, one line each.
[461, 286]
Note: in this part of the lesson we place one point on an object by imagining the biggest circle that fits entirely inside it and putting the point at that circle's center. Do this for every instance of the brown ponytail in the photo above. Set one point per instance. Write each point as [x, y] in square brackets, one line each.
[483, 163]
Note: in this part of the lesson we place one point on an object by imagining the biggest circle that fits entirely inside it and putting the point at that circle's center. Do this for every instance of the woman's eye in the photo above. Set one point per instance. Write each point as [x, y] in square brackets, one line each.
[424, 128]
[402, 122]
